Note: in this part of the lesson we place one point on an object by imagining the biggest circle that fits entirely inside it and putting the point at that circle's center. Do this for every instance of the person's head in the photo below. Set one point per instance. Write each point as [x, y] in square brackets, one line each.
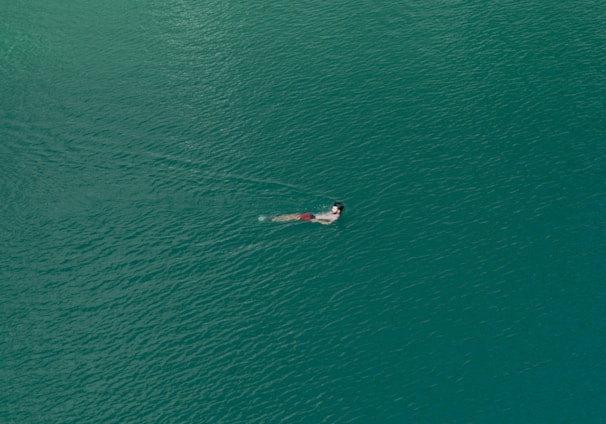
[337, 208]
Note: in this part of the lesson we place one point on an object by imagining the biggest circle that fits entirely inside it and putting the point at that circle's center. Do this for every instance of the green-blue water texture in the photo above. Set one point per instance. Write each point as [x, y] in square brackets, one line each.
[141, 142]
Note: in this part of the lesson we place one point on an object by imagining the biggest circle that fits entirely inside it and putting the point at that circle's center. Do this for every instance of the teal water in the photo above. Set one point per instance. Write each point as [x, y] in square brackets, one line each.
[141, 141]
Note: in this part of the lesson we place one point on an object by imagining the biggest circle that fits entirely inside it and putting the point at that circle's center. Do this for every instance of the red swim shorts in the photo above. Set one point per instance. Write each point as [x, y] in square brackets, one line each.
[306, 216]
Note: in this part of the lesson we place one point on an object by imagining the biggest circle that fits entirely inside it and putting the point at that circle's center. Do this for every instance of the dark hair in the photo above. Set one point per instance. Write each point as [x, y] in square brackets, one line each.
[339, 206]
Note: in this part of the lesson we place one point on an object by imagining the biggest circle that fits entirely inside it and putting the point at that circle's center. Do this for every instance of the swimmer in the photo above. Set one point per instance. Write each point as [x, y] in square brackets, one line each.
[324, 218]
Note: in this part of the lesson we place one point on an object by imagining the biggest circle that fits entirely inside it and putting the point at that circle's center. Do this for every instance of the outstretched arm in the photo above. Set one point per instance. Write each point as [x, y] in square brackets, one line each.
[319, 221]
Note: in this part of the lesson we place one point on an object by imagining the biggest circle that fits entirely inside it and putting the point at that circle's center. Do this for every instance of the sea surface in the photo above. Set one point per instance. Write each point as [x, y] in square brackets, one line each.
[144, 144]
